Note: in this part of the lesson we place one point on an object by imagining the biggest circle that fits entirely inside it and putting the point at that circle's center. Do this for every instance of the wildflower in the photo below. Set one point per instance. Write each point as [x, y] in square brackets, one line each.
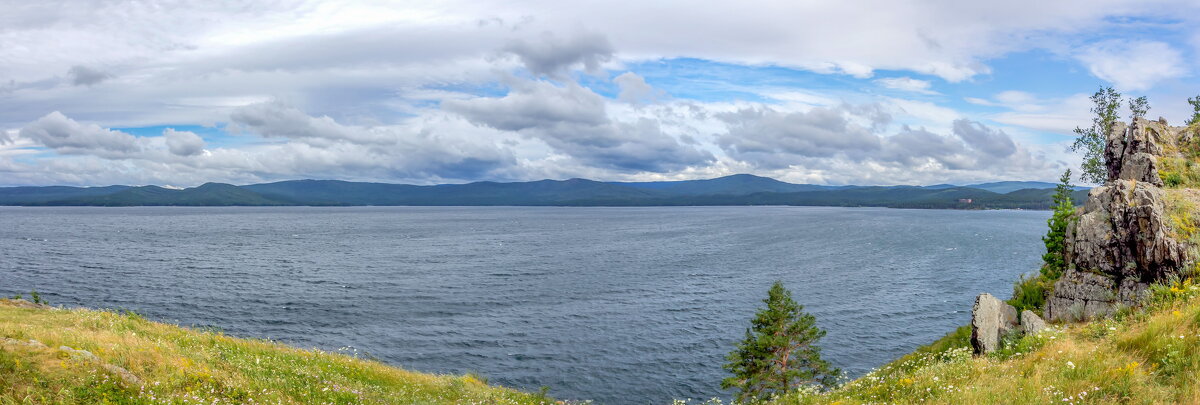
[1070, 365]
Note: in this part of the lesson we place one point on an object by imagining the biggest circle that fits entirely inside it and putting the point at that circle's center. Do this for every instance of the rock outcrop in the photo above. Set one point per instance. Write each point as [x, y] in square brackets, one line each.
[1121, 241]
[991, 319]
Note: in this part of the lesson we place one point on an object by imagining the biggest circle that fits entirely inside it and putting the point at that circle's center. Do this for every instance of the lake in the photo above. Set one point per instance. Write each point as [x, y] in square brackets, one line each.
[617, 305]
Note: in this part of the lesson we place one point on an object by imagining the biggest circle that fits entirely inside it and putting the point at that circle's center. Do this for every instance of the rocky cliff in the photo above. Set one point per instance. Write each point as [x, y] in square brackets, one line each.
[1124, 238]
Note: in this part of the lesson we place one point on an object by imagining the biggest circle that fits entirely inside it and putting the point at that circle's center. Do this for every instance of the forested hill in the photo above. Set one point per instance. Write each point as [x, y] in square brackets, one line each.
[730, 190]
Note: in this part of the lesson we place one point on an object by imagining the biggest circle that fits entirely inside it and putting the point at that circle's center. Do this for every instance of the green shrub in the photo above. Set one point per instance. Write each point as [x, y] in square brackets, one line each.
[1056, 236]
[1172, 179]
[1030, 293]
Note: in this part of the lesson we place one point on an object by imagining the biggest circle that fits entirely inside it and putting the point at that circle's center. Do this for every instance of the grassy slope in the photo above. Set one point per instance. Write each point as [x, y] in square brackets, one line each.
[1150, 356]
[179, 365]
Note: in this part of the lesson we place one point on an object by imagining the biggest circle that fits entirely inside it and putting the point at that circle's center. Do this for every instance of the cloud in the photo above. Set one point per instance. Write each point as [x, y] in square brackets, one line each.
[1052, 115]
[991, 141]
[85, 76]
[277, 120]
[65, 135]
[1133, 65]
[634, 89]
[907, 84]
[409, 92]
[773, 138]
[183, 143]
[827, 137]
[574, 120]
[427, 149]
[551, 56]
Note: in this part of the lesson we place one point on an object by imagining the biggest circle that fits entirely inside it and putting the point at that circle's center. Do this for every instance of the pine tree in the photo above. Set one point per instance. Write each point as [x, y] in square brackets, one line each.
[1195, 102]
[1092, 140]
[1056, 238]
[780, 351]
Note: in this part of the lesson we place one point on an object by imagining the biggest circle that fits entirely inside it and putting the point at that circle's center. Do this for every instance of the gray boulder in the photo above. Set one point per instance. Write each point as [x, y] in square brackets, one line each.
[1031, 323]
[991, 319]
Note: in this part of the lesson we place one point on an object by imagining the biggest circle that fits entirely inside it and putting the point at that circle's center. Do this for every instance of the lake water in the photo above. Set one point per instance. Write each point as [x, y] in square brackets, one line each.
[618, 305]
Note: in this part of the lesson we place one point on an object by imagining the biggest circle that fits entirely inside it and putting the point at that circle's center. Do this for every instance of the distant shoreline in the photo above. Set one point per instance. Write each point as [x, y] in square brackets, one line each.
[521, 206]
[736, 190]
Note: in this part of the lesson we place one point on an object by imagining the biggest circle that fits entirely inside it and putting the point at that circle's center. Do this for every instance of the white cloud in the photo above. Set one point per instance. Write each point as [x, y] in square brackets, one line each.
[1133, 65]
[65, 135]
[363, 84]
[574, 120]
[183, 143]
[1059, 116]
[907, 84]
[634, 89]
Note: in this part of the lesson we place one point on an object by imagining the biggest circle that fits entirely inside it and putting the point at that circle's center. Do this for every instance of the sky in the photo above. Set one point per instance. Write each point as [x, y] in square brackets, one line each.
[181, 93]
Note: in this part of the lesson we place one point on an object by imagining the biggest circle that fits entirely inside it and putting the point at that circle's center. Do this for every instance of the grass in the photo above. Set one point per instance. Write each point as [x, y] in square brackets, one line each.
[142, 362]
[1182, 207]
[1148, 356]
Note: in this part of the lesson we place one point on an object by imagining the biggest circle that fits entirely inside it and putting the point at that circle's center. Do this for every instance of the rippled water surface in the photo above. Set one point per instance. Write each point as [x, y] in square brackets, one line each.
[619, 305]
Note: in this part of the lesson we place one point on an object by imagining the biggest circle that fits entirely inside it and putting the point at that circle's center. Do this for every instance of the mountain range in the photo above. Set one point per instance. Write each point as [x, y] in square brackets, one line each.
[741, 189]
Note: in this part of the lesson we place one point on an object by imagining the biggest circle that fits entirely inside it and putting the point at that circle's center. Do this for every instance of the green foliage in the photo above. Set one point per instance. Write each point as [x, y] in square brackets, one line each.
[780, 352]
[959, 338]
[1016, 343]
[1056, 237]
[37, 298]
[1195, 102]
[1092, 140]
[1172, 290]
[1172, 179]
[1138, 107]
[1030, 293]
[477, 377]
[1180, 172]
[1182, 214]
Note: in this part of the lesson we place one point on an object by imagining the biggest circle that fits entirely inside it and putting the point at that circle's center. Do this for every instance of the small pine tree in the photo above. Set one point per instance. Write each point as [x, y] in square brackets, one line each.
[780, 351]
[1092, 140]
[1195, 102]
[1056, 238]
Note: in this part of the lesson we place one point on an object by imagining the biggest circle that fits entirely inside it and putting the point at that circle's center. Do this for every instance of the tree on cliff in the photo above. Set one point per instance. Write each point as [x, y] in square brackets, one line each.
[1195, 102]
[1092, 140]
[1138, 107]
[1056, 238]
[780, 351]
